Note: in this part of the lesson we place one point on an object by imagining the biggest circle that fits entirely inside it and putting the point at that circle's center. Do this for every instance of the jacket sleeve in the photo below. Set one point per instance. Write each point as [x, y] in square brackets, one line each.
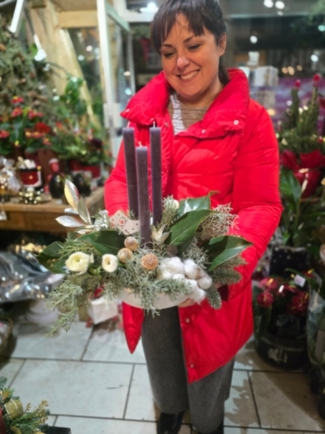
[115, 195]
[256, 198]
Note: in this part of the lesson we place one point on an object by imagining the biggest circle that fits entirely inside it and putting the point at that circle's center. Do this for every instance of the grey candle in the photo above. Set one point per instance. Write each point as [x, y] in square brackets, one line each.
[155, 149]
[131, 173]
[141, 155]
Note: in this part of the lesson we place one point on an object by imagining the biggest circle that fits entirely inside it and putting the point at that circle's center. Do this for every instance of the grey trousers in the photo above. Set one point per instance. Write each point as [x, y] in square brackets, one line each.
[162, 343]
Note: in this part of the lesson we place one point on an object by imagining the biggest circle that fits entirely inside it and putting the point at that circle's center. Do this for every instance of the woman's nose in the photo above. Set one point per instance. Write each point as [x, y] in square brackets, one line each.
[182, 61]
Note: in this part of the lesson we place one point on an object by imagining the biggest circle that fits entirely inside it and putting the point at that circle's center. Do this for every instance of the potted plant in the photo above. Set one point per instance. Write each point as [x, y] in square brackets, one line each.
[301, 221]
[301, 146]
[280, 313]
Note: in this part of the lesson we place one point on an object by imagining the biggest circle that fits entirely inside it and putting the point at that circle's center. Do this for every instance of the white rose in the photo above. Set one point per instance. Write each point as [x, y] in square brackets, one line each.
[176, 203]
[79, 262]
[109, 263]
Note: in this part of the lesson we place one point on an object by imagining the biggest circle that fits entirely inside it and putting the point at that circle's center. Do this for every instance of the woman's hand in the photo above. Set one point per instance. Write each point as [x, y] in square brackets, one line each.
[188, 302]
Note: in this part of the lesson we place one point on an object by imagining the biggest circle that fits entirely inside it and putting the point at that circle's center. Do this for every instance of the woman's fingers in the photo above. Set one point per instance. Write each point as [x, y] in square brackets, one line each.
[188, 302]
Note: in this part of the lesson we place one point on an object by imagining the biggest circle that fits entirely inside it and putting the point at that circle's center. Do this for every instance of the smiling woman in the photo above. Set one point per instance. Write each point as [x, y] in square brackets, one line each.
[213, 138]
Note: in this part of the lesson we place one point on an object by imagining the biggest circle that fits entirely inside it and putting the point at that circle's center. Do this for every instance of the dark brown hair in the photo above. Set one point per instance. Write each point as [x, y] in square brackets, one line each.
[199, 14]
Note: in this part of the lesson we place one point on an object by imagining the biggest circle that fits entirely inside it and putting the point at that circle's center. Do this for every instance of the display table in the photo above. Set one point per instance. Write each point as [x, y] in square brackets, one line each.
[42, 217]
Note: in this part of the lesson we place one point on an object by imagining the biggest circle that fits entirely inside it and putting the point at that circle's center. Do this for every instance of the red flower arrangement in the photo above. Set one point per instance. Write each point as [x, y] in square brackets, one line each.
[280, 303]
[23, 129]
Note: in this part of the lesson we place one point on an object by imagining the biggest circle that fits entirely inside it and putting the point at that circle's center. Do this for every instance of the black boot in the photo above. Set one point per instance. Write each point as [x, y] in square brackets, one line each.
[169, 423]
[219, 430]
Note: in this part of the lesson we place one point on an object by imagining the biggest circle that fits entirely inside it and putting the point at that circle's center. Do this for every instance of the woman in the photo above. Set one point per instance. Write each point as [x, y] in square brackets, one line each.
[214, 138]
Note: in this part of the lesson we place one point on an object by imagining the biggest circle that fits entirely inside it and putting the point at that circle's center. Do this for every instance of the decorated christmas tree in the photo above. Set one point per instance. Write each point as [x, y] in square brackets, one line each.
[17, 74]
[299, 131]
[301, 144]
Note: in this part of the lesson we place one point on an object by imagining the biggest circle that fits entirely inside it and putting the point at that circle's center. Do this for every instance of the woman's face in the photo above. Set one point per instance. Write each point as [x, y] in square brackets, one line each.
[191, 63]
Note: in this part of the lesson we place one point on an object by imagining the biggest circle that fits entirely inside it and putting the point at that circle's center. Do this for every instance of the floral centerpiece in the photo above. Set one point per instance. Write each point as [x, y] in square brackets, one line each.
[188, 251]
[177, 252]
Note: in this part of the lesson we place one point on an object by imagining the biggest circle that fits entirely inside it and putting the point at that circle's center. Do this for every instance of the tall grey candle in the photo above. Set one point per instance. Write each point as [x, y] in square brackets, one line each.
[155, 148]
[131, 173]
[141, 157]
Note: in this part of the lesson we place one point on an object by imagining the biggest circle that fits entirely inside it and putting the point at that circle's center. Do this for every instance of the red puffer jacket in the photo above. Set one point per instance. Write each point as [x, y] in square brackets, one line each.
[232, 150]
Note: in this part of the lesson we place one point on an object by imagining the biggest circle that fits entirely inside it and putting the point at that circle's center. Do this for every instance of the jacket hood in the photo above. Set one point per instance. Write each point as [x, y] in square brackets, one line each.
[149, 105]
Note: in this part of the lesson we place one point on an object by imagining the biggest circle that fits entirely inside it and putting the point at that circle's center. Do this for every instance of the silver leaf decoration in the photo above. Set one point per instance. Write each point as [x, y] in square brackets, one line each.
[69, 222]
[71, 211]
[83, 211]
[71, 194]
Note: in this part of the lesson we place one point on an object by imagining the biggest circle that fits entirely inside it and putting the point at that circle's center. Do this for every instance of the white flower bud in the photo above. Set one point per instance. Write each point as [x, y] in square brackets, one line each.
[191, 269]
[196, 293]
[180, 277]
[204, 282]
[173, 265]
[79, 262]
[109, 263]
[164, 274]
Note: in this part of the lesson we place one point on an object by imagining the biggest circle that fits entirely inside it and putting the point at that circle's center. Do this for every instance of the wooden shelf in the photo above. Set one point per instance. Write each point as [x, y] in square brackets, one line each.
[42, 217]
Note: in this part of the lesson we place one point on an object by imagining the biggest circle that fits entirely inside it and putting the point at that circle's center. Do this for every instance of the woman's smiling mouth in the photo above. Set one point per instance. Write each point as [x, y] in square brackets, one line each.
[188, 76]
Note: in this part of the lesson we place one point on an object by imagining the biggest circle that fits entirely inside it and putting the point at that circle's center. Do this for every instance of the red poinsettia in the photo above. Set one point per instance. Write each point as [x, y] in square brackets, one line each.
[32, 114]
[17, 112]
[297, 84]
[316, 79]
[265, 299]
[41, 127]
[4, 134]
[298, 304]
[270, 283]
[322, 102]
[17, 100]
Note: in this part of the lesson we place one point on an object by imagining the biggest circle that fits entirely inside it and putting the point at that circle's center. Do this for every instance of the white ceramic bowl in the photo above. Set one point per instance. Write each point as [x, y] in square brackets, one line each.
[163, 300]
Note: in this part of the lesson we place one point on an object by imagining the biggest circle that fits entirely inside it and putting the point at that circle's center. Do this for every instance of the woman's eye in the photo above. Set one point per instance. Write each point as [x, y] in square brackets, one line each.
[168, 55]
[193, 47]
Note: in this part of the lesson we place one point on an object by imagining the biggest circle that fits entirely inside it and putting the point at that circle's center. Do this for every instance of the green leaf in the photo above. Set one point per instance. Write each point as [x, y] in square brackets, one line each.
[106, 241]
[198, 204]
[53, 250]
[221, 249]
[183, 231]
[51, 257]
[289, 186]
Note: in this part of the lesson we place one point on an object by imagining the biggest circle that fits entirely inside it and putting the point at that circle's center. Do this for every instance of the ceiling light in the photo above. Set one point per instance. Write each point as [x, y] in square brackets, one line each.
[285, 70]
[299, 67]
[280, 13]
[279, 5]
[314, 58]
[268, 3]
[127, 73]
[151, 7]
[89, 48]
[291, 70]
[253, 39]
[81, 58]
[321, 27]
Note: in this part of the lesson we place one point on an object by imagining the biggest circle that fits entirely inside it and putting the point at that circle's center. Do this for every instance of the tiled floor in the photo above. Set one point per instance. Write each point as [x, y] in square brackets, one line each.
[94, 386]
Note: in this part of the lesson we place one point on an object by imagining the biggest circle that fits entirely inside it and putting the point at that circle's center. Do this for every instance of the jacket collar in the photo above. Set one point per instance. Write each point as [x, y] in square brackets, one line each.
[226, 113]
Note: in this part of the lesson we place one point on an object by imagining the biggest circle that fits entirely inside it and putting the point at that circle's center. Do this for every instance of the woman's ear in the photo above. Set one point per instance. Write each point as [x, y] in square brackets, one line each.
[223, 43]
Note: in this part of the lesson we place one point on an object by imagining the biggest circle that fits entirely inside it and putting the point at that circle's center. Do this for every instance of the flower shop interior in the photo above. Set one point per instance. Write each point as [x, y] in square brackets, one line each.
[67, 70]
